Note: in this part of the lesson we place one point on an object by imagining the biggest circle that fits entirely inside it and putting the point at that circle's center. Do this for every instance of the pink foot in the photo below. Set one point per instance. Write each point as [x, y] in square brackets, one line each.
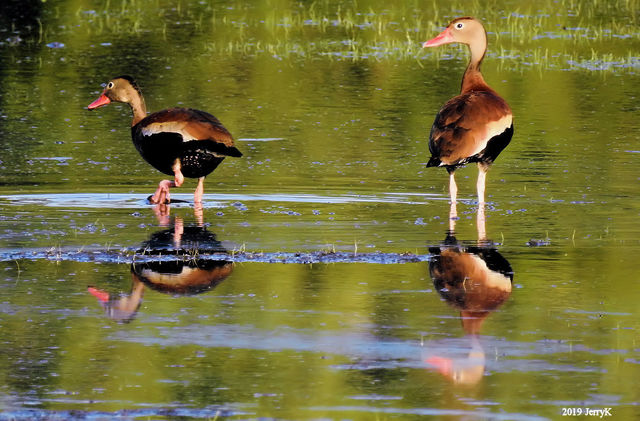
[162, 192]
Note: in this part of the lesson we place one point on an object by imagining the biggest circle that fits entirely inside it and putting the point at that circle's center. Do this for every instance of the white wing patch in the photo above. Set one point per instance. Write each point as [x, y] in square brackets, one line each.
[493, 128]
[168, 127]
[493, 279]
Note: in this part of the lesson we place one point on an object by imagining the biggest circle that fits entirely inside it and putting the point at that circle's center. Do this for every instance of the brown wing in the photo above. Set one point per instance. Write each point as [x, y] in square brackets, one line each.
[188, 278]
[471, 284]
[191, 124]
[465, 124]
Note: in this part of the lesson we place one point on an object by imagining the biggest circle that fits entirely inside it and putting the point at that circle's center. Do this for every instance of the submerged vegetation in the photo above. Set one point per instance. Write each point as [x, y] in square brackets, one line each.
[594, 35]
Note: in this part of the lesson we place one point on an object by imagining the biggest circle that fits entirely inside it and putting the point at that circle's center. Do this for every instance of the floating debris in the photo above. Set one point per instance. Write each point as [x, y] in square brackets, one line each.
[128, 256]
[55, 44]
[538, 243]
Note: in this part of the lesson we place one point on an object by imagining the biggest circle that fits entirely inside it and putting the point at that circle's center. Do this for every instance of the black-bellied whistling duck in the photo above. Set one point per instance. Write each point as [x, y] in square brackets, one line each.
[476, 280]
[182, 142]
[476, 125]
[177, 277]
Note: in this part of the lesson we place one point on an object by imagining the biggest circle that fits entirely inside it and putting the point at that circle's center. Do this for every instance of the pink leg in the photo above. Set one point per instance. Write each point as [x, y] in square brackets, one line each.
[482, 176]
[453, 217]
[480, 224]
[198, 213]
[178, 177]
[197, 195]
[178, 231]
[453, 188]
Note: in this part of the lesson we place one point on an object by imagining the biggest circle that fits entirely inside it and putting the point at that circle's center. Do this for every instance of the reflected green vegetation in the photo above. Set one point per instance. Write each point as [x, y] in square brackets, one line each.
[550, 34]
[331, 103]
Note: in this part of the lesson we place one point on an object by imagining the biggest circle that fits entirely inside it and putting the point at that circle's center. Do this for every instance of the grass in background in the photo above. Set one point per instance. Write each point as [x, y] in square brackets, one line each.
[569, 34]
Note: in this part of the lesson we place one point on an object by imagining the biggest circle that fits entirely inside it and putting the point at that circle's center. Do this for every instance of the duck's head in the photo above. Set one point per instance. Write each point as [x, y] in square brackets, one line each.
[465, 30]
[119, 89]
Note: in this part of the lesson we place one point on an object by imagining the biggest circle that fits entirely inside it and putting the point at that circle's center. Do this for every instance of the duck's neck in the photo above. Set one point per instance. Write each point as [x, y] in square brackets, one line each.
[472, 79]
[139, 109]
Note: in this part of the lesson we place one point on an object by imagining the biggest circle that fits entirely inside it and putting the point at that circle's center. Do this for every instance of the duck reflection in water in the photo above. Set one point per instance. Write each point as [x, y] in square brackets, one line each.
[162, 211]
[476, 280]
[187, 274]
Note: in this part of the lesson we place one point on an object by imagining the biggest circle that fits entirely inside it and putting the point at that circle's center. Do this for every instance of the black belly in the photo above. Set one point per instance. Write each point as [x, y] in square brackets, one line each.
[163, 149]
[198, 163]
[495, 145]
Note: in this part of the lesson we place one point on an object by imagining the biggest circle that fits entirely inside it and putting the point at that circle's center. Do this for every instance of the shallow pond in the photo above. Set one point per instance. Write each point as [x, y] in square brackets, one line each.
[318, 281]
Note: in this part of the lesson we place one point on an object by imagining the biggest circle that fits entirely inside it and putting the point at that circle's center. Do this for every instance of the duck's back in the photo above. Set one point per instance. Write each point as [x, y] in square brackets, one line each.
[471, 127]
[194, 138]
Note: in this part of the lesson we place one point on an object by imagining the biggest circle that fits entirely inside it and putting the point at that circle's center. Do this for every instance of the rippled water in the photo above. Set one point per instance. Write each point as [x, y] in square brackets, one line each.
[320, 279]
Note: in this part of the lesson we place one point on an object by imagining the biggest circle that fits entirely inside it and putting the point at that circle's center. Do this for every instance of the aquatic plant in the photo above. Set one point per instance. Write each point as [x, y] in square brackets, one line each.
[592, 35]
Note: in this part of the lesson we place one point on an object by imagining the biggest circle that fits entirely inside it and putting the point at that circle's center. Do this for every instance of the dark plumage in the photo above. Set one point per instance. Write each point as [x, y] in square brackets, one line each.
[476, 125]
[182, 142]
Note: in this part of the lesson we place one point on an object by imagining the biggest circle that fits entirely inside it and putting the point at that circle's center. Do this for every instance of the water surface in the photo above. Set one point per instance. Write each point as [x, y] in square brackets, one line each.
[315, 281]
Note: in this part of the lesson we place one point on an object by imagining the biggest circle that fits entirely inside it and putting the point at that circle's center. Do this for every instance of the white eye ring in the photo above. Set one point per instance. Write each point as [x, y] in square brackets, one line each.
[459, 25]
[110, 85]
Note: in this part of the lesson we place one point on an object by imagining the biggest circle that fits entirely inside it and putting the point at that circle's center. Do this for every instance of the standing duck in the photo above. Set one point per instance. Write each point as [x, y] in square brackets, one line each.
[476, 125]
[182, 142]
[476, 280]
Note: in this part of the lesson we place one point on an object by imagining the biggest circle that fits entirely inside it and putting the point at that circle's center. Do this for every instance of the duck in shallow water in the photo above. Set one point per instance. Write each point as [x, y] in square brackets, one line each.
[476, 125]
[182, 142]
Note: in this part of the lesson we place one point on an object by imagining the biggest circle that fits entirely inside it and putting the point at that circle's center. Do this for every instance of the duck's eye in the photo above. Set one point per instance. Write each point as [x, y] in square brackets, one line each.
[110, 85]
[459, 25]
